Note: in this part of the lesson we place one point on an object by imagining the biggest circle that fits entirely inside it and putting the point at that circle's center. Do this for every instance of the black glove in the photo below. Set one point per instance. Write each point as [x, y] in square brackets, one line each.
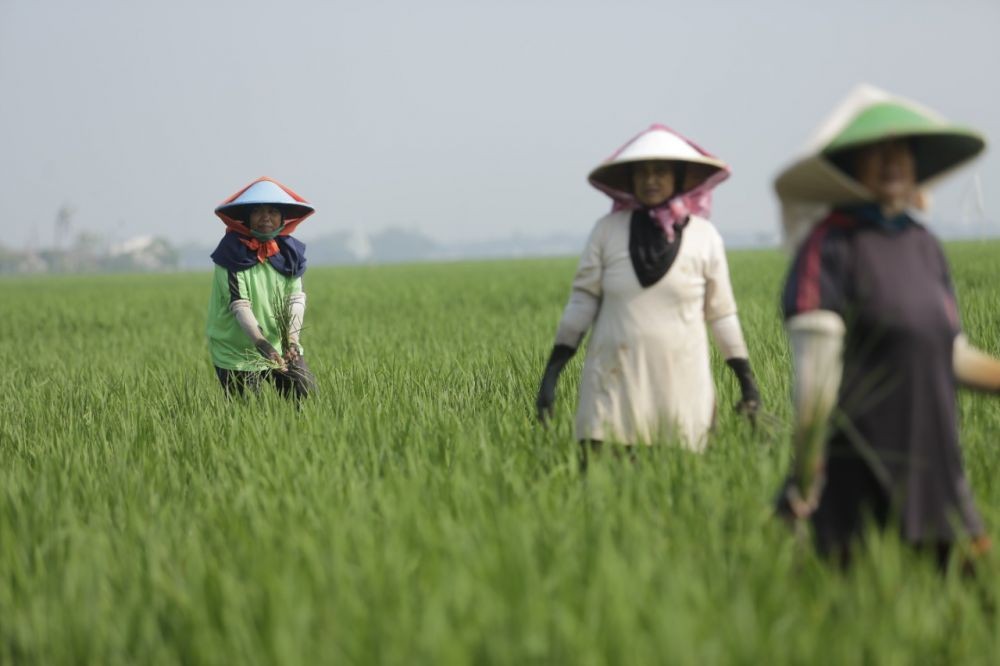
[750, 397]
[266, 349]
[561, 354]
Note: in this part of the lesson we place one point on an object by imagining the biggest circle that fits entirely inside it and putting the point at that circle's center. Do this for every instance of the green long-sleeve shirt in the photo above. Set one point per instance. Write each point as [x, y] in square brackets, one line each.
[267, 290]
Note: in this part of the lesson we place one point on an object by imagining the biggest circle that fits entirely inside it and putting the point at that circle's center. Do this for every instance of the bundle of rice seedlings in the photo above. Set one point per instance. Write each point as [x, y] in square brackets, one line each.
[256, 362]
[281, 308]
[281, 313]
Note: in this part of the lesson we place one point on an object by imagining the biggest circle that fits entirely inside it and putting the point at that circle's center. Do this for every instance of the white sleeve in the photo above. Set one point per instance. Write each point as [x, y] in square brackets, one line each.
[728, 336]
[245, 318]
[817, 342]
[297, 309]
[585, 299]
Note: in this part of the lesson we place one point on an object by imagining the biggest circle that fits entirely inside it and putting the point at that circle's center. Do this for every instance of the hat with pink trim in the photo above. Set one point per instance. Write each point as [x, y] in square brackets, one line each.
[658, 143]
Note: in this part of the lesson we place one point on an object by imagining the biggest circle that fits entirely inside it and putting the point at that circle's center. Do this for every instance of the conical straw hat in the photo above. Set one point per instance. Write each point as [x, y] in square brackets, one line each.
[614, 175]
[264, 190]
[814, 182]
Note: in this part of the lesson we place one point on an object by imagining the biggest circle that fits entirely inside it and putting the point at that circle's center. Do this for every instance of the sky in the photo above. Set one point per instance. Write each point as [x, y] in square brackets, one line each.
[467, 121]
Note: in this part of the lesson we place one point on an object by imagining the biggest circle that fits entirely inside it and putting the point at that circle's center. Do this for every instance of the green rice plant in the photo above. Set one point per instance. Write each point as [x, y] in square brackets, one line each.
[412, 511]
[254, 361]
[281, 312]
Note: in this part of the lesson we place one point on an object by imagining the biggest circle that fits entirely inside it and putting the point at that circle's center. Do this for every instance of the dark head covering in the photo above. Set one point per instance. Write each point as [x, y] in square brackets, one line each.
[239, 249]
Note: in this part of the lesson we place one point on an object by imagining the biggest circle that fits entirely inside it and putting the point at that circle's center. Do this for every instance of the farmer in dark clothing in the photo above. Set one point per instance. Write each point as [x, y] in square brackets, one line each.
[877, 346]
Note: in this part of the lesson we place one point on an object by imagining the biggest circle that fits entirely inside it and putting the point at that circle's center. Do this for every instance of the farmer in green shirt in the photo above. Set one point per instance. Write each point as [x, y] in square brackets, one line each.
[257, 304]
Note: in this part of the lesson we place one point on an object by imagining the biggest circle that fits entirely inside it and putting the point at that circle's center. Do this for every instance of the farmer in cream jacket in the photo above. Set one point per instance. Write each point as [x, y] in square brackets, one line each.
[652, 275]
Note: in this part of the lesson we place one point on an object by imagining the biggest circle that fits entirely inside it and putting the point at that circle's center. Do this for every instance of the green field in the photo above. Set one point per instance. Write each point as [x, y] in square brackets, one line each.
[413, 512]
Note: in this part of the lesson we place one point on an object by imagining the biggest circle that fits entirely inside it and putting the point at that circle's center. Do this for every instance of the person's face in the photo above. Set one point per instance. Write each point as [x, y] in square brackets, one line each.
[889, 171]
[264, 219]
[653, 182]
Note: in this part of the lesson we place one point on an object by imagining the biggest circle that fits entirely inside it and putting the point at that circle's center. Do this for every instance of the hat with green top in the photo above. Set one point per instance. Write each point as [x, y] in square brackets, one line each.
[814, 182]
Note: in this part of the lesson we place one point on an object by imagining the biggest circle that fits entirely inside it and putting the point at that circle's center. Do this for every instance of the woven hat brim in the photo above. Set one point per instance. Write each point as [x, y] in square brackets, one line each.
[935, 152]
[289, 212]
[618, 175]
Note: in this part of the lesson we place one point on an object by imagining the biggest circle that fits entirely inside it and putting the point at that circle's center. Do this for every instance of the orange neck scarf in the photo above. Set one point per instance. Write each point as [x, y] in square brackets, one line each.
[264, 249]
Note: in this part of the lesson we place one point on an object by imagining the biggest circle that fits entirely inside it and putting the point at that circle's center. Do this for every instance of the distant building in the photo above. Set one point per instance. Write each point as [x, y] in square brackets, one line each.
[144, 254]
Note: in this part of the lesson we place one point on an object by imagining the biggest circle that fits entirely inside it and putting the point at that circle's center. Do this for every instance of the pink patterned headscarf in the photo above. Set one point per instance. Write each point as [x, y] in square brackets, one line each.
[676, 209]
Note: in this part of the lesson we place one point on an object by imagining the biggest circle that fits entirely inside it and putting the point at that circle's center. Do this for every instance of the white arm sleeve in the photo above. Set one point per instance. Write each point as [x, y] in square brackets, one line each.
[728, 336]
[297, 308]
[975, 368]
[817, 342]
[585, 300]
[246, 319]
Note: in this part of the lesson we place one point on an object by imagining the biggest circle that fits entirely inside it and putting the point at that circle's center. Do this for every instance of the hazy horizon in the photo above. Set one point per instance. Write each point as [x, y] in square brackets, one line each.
[463, 121]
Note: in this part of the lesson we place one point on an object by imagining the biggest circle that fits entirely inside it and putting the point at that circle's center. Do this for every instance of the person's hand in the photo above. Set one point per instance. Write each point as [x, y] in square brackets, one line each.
[802, 503]
[265, 349]
[292, 353]
[276, 358]
[749, 403]
[546, 399]
[748, 406]
[561, 354]
[796, 504]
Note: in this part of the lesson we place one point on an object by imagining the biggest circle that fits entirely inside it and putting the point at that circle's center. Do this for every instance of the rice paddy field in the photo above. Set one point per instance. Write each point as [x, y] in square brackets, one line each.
[412, 511]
